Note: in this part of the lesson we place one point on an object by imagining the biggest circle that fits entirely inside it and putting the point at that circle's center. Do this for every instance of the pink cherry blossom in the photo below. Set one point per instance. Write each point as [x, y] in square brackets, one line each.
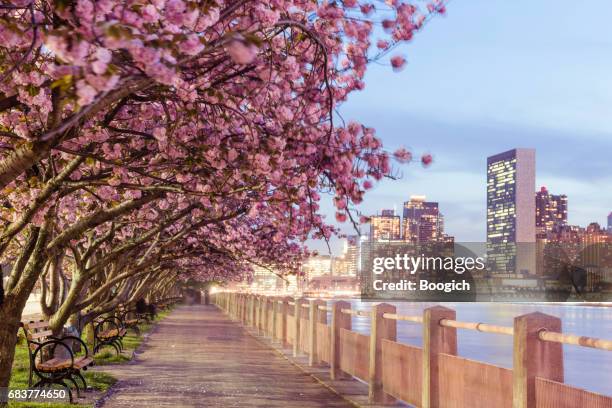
[397, 62]
[426, 159]
[402, 155]
[241, 53]
[340, 217]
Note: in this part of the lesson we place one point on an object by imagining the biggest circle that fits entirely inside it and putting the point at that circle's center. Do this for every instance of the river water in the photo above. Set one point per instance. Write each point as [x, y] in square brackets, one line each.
[585, 367]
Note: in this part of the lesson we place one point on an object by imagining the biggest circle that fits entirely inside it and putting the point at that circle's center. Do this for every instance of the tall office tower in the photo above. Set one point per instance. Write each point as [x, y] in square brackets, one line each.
[511, 212]
[610, 222]
[385, 227]
[351, 254]
[422, 221]
[551, 212]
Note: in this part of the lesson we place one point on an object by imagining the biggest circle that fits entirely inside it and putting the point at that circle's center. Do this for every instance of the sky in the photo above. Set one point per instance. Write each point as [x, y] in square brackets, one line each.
[489, 76]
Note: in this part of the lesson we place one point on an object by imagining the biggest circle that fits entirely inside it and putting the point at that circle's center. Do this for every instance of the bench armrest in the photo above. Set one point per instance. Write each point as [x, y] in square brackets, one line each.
[77, 339]
[112, 320]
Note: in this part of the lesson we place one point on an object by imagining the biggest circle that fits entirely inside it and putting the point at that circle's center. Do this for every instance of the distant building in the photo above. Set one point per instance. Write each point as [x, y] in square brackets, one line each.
[551, 211]
[265, 280]
[422, 221]
[315, 266]
[352, 253]
[348, 263]
[511, 212]
[587, 248]
[610, 222]
[385, 227]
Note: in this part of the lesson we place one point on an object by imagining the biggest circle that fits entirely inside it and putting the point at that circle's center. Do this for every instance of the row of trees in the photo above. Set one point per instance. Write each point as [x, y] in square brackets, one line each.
[145, 142]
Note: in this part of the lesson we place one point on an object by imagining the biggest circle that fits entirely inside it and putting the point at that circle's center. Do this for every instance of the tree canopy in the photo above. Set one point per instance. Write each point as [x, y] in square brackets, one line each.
[146, 141]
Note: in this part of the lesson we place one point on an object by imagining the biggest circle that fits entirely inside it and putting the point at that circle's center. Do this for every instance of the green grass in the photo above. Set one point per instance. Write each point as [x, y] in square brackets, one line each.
[96, 380]
[19, 380]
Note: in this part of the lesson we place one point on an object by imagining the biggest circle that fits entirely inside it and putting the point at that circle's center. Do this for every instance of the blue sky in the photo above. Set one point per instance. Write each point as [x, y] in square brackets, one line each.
[489, 76]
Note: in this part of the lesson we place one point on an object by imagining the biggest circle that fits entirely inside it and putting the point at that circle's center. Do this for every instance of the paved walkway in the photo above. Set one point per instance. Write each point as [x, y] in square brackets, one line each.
[197, 357]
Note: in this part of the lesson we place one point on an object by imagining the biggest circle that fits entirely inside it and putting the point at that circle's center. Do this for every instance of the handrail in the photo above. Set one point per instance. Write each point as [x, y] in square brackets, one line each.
[573, 339]
[360, 313]
[543, 335]
[481, 327]
[393, 316]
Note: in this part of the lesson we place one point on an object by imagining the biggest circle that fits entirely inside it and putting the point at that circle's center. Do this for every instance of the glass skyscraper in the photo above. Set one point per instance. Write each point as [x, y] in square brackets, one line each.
[423, 221]
[551, 212]
[511, 212]
[385, 227]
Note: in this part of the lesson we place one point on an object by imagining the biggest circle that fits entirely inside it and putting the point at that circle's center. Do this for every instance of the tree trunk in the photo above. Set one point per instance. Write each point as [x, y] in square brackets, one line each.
[23, 282]
[10, 315]
[61, 316]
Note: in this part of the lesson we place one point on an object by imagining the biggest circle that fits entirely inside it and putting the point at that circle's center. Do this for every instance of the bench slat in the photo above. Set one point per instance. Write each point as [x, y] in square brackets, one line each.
[39, 335]
[55, 364]
[35, 325]
[83, 362]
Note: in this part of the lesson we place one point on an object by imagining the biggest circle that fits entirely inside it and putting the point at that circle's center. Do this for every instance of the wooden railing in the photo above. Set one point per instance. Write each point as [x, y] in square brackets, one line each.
[429, 376]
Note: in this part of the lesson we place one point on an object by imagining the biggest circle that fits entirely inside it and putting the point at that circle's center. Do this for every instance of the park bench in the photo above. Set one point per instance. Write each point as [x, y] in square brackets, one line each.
[130, 319]
[109, 331]
[54, 359]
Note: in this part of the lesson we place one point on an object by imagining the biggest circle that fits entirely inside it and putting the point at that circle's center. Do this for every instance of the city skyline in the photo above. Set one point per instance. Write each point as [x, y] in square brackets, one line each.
[469, 91]
[556, 205]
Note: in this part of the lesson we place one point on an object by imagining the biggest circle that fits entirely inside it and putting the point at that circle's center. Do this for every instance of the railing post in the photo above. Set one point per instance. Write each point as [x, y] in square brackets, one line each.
[260, 303]
[264, 321]
[533, 357]
[253, 311]
[436, 339]
[237, 306]
[243, 299]
[257, 313]
[296, 321]
[243, 304]
[233, 303]
[274, 301]
[271, 314]
[311, 331]
[380, 329]
[313, 319]
[248, 309]
[261, 316]
[264, 302]
[339, 321]
[284, 312]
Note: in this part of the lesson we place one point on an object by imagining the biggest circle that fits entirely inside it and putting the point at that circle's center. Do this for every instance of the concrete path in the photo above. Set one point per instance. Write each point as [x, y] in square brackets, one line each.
[197, 357]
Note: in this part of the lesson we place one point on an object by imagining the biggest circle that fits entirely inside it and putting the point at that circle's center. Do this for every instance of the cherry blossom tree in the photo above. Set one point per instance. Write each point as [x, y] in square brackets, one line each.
[147, 141]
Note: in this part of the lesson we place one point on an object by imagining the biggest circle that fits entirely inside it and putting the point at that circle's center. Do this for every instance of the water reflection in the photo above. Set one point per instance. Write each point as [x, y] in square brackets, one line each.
[586, 368]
